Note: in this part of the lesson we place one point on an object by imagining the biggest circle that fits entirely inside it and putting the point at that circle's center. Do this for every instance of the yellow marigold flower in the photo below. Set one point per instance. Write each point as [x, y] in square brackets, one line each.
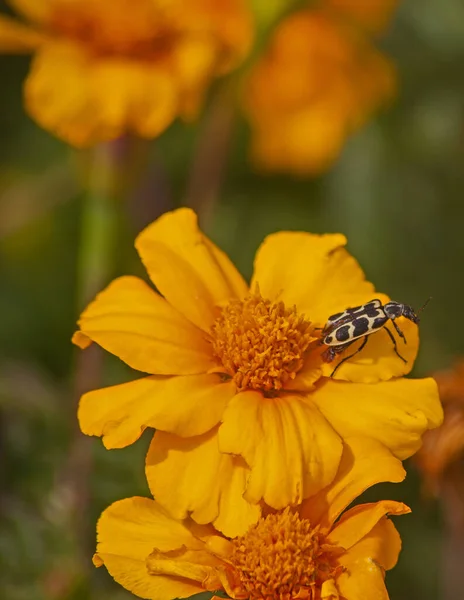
[305, 553]
[318, 82]
[444, 448]
[103, 68]
[244, 406]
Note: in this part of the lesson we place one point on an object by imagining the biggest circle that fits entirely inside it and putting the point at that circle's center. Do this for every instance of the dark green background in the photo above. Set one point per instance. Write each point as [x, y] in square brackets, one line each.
[396, 192]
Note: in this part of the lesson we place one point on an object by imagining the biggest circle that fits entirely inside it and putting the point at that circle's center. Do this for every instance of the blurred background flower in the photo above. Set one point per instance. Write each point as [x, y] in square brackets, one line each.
[394, 187]
[101, 69]
[319, 79]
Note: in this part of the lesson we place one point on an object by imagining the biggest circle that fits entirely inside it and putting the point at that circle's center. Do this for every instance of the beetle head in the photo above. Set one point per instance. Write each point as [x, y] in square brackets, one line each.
[393, 310]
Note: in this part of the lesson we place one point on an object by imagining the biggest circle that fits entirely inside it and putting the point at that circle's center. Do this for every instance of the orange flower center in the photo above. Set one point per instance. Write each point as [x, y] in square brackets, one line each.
[116, 28]
[282, 557]
[260, 343]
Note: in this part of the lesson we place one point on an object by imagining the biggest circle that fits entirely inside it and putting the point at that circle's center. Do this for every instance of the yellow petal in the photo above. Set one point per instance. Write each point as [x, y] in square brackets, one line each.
[313, 272]
[133, 322]
[366, 562]
[33, 10]
[84, 101]
[187, 268]
[364, 463]
[382, 544]
[329, 590]
[194, 565]
[192, 476]
[187, 406]
[17, 38]
[396, 413]
[378, 360]
[359, 521]
[128, 531]
[292, 451]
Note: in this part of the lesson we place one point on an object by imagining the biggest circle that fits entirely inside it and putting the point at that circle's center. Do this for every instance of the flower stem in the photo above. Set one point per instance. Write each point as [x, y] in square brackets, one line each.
[211, 156]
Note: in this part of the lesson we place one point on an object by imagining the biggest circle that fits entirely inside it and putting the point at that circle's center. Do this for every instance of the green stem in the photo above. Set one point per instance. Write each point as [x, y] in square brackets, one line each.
[99, 225]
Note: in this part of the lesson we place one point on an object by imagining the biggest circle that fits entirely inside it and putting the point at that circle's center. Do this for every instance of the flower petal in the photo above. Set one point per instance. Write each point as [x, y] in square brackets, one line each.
[291, 449]
[396, 413]
[366, 562]
[128, 531]
[133, 322]
[313, 272]
[187, 406]
[364, 463]
[17, 38]
[191, 475]
[359, 521]
[188, 269]
[85, 101]
[33, 10]
[382, 544]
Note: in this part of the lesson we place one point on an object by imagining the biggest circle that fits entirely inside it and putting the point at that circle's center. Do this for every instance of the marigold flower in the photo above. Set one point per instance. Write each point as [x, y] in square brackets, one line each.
[305, 553]
[103, 68]
[318, 82]
[373, 16]
[444, 447]
[244, 407]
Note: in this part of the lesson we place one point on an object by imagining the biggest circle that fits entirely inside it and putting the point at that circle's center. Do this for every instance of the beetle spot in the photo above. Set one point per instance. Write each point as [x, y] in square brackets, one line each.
[335, 316]
[379, 322]
[371, 310]
[328, 339]
[361, 326]
[343, 333]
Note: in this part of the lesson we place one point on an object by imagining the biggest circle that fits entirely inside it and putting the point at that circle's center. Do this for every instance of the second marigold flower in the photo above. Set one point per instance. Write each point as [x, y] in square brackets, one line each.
[244, 406]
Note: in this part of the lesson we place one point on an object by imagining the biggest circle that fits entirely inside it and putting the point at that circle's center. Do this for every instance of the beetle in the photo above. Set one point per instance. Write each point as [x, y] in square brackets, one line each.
[344, 328]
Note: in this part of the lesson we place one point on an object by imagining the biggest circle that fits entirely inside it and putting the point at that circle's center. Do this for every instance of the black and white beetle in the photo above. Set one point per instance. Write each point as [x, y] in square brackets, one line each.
[344, 328]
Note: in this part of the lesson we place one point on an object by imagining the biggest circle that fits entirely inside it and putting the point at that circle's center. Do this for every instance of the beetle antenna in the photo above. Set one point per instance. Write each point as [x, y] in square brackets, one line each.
[424, 305]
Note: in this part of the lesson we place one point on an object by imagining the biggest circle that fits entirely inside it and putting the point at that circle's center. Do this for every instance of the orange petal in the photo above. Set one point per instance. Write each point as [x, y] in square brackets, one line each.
[366, 562]
[382, 544]
[313, 272]
[133, 322]
[396, 413]
[191, 475]
[359, 521]
[364, 463]
[33, 10]
[292, 451]
[188, 269]
[18, 38]
[187, 406]
[85, 101]
[128, 531]
[378, 360]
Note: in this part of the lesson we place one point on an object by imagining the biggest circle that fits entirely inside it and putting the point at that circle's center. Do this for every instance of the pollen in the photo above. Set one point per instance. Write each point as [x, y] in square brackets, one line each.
[282, 557]
[261, 344]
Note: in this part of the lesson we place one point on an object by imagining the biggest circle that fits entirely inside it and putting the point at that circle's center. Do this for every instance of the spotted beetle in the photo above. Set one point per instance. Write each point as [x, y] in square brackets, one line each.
[344, 328]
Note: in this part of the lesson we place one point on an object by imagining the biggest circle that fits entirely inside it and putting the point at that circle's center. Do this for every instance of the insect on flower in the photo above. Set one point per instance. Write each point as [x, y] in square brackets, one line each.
[344, 328]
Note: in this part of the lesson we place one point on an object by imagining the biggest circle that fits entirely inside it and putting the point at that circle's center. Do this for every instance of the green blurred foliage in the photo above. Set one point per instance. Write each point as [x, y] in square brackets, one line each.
[396, 192]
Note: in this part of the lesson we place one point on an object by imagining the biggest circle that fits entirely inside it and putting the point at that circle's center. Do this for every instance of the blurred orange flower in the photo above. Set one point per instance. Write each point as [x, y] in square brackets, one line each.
[244, 407]
[445, 447]
[372, 15]
[319, 80]
[107, 67]
[308, 553]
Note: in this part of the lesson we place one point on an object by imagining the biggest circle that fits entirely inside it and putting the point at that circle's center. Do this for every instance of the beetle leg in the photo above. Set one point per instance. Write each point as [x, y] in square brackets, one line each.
[392, 337]
[399, 332]
[351, 355]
